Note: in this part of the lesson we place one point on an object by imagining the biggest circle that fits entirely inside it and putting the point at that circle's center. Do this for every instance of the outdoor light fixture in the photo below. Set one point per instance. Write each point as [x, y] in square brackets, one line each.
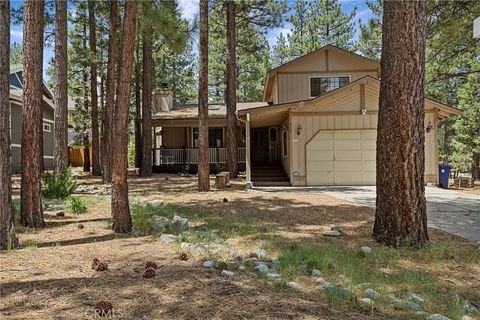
[299, 129]
[364, 112]
[284, 127]
[429, 127]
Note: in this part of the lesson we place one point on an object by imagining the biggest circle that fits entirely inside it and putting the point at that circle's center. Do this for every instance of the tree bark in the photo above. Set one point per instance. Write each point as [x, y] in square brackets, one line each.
[122, 221]
[96, 167]
[32, 118]
[6, 215]
[110, 93]
[401, 216]
[146, 169]
[60, 151]
[203, 163]
[231, 90]
[138, 110]
[86, 139]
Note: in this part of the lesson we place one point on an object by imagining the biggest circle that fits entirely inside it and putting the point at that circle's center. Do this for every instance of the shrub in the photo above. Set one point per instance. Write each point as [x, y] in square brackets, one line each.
[77, 205]
[219, 167]
[58, 186]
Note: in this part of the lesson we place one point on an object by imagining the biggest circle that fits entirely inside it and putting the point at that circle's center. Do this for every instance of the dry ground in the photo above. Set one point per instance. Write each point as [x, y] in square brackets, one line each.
[51, 278]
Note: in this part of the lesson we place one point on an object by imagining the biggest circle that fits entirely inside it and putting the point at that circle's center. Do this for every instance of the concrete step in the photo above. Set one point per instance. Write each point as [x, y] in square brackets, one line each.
[273, 179]
[271, 184]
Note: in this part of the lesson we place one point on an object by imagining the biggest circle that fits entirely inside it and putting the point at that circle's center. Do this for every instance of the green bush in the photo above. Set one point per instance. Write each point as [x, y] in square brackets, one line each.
[77, 205]
[220, 167]
[58, 186]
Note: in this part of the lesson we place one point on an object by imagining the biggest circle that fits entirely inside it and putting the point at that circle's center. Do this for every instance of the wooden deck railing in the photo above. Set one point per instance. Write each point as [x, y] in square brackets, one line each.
[165, 156]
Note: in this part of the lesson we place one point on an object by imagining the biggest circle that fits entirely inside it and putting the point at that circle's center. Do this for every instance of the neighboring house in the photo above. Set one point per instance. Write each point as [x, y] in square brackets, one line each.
[317, 123]
[16, 103]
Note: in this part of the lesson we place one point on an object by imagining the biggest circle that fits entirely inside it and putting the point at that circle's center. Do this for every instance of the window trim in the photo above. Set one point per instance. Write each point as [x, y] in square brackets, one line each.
[325, 76]
[47, 125]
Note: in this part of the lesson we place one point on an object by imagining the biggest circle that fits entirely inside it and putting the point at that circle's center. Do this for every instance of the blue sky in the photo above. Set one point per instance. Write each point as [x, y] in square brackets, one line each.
[190, 11]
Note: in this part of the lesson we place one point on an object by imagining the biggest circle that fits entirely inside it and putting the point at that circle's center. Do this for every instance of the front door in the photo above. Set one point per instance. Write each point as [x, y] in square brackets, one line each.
[260, 145]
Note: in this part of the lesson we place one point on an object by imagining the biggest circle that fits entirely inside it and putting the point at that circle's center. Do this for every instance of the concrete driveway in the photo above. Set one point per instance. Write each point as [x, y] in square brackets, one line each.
[452, 211]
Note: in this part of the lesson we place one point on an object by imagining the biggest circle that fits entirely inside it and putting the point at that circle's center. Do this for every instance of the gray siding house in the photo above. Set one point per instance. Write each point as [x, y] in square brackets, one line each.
[16, 103]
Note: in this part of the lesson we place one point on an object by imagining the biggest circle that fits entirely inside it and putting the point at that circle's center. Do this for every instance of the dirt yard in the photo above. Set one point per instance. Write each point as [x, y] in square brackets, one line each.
[50, 277]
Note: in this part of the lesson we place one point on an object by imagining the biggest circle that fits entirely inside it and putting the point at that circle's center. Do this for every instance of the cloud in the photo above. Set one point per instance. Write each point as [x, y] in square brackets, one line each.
[16, 33]
[273, 34]
[190, 8]
[363, 14]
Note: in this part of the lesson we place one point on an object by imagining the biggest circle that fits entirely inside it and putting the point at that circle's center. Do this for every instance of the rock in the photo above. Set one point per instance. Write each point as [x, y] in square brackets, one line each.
[471, 308]
[372, 294]
[273, 275]
[215, 248]
[437, 316]
[202, 229]
[186, 245]
[413, 306]
[232, 241]
[252, 274]
[414, 297]
[262, 268]
[321, 283]
[336, 228]
[226, 273]
[242, 268]
[260, 253]
[371, 221]
[366, 250]
[276, 264]
[238, 259]
[200, 249]
[422, 313]
[208, 264]
[332, 233]
[168, 238]
[180, 222]
[60, 214]
[155, 203]
[365, 285]
[334, 290]
[216, 231]
[316, 273]
[293, 285]
[57, 207]
[397, 303]
[365, 303]
[465, 317]
[160, 223]
[344, 278]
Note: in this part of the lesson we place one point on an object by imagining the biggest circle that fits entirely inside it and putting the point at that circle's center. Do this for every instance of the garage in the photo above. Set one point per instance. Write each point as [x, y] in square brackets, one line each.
[341, 157]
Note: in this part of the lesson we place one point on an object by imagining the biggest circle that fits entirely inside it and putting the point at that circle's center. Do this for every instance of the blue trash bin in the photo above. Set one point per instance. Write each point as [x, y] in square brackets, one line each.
[444, 174]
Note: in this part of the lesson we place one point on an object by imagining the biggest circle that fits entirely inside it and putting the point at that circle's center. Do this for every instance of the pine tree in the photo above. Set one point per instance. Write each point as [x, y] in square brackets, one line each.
[16, 54]
[280, 52]
[370, 38]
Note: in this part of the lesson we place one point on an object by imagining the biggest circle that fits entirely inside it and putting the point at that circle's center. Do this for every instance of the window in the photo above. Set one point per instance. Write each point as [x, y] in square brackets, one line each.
[47, 127]
[272, 132]
[215, 137]
[285, 143]
[321, 85]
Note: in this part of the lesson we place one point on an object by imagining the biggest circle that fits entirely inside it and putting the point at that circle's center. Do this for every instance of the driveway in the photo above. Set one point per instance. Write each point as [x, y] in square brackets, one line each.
[452, 211]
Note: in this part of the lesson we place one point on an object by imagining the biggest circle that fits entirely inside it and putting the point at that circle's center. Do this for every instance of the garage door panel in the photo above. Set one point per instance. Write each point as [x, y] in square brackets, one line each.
[369, 144]
[348, 155]
[321, 178]
[368, 166]
[322, 145]
[315, 155]
[369, 134]
[348, 135]
[348, 145]
[369, 155]
[348, 166]
[346, 178]
[324, 135]
[321, 166]
[368, 178]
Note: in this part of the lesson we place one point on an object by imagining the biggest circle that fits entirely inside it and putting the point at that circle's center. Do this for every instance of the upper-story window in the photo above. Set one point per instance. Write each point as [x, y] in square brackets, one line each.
[321, 85]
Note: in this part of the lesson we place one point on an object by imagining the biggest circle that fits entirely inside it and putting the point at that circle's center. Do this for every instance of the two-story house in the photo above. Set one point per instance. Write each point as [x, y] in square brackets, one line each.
[316, 126]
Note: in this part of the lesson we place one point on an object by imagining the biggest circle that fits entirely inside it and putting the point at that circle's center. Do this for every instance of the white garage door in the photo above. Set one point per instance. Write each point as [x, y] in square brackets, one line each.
[342, 157]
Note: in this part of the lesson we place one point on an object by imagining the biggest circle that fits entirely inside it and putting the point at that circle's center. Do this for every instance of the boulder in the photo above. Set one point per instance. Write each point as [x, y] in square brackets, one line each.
[276, 264]
[208, 264]
[200, 249]
[372, 294]
[155, 203]
[242, 268]
[201, 229]
[437, 316]
[273, 275]
[366, 250]
[186, 245]
[180, 222]
[226, 273]
[412, 296]
[414, 306]
[316, 273]
[262, 268]
[334, 290]
[465, 317]
[365, 303]
[336, 228]
[332, 233]
[293, 285]
[160, 224]
[260, 253]
[168, 238]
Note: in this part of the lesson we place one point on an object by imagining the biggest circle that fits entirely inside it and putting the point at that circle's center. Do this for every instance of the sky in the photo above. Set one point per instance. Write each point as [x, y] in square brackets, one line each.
[190, 10]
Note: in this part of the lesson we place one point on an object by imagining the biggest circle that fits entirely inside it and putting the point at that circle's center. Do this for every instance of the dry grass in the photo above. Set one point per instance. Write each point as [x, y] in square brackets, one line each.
[51, 276]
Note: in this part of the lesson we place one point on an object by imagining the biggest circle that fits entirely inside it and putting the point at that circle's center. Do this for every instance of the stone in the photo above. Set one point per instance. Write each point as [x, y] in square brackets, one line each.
[57, 207]
[293, 285]
[321, 283]
[168, 238]
[437, 316]
[252, 274]
[336, 228]
[276, 264]
[422, 313]
[471, 308]
[242, 268]
[366, 250]
[332, 233]
[365, 303]
[155, 203]
[316, 273]
[186, 245]
[262, 268]
[208, 264]
[160, 223]
[215, 248]
[232, 242]
[200, 249]
[412, 296]
[202, 229]
[397, 303]
[273, 275]
[372, 294]
[260, 253]
[60, 214]
[180, 222]
[414, 306]
[465, 317]
[216, 231]
[334, 290]
[226, 273]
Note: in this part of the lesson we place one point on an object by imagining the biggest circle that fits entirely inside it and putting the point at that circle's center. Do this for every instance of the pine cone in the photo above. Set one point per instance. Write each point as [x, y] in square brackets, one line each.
[149, 273]
[103, 308]
[95, 262]
[225, 200]
[80, 226]
[101, 266]
[151, 264]
[183, 256]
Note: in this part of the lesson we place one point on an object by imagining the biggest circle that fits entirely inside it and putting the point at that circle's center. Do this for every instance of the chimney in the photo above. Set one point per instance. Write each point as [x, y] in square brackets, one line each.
[162, 99]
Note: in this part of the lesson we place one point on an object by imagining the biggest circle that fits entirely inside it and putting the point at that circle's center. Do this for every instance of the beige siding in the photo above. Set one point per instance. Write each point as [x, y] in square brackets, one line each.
[174, 137]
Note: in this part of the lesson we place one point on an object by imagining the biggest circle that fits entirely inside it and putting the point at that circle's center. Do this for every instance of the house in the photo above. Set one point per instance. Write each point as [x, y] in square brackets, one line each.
[16, 103]
[316, 125]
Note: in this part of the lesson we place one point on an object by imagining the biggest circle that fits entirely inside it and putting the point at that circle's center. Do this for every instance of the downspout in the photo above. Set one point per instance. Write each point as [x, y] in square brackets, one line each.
[248, 183]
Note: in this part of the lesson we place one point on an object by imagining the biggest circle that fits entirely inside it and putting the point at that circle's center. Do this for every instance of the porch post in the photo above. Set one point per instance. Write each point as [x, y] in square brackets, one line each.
[247, 153]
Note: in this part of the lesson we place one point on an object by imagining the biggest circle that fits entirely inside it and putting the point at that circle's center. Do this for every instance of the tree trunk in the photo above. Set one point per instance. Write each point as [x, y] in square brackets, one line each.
[96, 167]
[122, 221]
[138, 110]
[203, 164]
[146, 169]
[476, 166]
[446, 139]
[86, 139]
[6, 215]
[60, 151]
[110, 94]
[401, 216]
[231, 92]
[32, 118]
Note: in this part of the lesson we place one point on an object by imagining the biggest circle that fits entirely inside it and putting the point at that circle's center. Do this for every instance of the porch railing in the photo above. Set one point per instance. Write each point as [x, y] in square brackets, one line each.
[164, 156]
